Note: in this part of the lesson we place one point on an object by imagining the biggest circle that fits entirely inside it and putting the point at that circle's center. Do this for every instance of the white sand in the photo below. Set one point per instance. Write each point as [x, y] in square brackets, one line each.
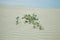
[49, 19]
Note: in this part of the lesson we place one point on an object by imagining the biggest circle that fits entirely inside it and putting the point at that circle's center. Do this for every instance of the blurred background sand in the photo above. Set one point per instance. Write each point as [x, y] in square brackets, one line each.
[49, 19]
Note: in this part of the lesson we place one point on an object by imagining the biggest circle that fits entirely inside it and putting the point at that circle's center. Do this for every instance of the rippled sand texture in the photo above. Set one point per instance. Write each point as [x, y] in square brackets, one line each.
[49, 19]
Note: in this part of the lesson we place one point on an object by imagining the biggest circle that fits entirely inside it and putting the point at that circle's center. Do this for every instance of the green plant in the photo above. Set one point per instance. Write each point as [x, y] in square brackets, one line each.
[31, 19]
[17, 20]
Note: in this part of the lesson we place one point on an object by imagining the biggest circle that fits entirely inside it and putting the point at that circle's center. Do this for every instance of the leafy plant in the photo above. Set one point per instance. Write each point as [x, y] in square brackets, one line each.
[17, 20]
[31, 19]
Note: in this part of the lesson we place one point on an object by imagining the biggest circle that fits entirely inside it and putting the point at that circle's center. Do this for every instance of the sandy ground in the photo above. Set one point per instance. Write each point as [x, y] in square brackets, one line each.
[49, 19]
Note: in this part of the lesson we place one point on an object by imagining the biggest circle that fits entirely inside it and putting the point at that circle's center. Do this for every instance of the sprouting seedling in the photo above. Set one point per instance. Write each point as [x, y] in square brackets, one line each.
[17, 20]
